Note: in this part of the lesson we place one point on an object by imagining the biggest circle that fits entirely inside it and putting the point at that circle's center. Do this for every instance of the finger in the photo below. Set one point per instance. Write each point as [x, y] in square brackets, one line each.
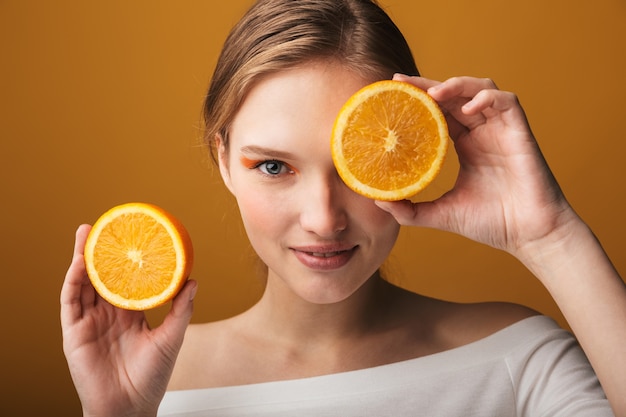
[76, 290]
[452, 95]
[460, 87]
[81, 238]
[405, 212]
[172, 330]
[429, 214]
[421, 82]
[491, 101]
[89, 297]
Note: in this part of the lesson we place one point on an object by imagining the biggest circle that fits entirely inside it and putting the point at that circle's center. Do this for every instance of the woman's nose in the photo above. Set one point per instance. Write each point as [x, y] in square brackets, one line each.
[324, 210]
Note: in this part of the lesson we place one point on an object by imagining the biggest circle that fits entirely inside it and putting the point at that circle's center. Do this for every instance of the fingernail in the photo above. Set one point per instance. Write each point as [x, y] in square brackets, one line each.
[383, 205]
[468, 106]
[194, 290]
[400, 77]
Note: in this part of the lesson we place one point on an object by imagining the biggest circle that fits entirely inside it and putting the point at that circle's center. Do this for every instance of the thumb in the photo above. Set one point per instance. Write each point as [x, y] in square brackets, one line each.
[407, 213]
[172, 331]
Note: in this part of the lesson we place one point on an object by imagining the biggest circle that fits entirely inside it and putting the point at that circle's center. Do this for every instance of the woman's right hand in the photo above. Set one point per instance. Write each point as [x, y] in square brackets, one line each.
[120, 366]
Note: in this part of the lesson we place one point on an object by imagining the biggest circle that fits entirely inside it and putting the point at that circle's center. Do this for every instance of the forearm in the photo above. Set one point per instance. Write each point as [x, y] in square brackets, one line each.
[592, 296]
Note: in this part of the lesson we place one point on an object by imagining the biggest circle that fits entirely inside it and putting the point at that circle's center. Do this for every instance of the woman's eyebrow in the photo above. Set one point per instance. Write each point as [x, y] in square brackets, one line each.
[266, 152]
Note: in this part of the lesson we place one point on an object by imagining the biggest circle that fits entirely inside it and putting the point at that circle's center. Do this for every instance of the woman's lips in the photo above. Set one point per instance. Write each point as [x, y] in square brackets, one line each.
[326, 258]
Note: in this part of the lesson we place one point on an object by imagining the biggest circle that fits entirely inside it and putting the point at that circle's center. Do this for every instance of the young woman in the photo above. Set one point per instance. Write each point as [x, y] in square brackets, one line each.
[330, 336]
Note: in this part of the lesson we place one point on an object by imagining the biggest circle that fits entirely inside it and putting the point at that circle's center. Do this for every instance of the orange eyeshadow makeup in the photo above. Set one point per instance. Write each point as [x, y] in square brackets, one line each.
[249, 163]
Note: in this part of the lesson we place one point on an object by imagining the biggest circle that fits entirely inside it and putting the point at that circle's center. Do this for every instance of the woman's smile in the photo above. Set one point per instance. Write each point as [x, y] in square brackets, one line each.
[325, 258]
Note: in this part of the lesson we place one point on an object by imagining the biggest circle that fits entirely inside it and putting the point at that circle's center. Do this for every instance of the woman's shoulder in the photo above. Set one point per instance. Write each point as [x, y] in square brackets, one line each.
[472, 322]
[204, 342]
[454, 324]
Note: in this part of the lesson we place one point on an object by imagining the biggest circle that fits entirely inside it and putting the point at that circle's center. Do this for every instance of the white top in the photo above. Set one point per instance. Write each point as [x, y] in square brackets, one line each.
[531, 368]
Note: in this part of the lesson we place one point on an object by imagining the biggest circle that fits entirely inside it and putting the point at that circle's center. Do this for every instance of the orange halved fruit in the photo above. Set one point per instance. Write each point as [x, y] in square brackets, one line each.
[389, 140]
[138, 256]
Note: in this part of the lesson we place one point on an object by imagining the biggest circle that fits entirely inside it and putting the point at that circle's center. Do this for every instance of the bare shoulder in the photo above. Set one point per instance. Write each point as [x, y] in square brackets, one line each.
[203, 343]
[462, 323]
[435, 325]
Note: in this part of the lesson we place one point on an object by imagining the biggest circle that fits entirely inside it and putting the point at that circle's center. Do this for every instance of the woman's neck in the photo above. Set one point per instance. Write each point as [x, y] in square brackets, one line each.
[289, 319]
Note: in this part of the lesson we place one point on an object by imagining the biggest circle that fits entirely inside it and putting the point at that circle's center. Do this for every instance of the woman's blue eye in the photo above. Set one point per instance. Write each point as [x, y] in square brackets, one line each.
[272, 167]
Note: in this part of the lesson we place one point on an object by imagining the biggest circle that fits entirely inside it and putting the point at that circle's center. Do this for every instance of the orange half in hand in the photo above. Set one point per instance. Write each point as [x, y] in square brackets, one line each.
[138, 256]
[389, 140]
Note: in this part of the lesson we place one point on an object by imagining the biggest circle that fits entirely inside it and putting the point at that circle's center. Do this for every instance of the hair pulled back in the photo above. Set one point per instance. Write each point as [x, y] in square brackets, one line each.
[275, 35]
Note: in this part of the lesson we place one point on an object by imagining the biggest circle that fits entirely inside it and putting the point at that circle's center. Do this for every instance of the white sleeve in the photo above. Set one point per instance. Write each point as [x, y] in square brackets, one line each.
[554, 378]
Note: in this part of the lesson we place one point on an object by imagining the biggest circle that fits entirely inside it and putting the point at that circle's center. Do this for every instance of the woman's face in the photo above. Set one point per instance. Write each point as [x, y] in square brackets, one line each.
[320, 240]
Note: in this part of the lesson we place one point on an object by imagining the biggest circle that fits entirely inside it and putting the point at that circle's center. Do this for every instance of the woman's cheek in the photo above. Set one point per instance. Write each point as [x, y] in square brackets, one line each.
[262, 215]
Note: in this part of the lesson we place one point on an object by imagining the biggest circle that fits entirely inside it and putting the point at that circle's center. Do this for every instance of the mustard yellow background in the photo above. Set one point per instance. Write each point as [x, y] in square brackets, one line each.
[100, 105]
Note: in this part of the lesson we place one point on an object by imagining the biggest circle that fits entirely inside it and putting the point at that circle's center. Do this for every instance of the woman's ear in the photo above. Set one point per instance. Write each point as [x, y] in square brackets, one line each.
[222, 160]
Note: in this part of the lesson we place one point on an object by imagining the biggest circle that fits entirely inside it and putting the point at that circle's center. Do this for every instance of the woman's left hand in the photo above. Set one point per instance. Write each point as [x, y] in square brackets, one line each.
[505, 195]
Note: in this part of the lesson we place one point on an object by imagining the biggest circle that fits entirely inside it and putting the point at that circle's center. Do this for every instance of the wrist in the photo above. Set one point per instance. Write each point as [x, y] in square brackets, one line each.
[549, 256]
[131, 413]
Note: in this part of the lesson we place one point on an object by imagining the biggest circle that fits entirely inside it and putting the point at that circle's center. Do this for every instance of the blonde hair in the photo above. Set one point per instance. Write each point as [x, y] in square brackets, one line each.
[275, 35]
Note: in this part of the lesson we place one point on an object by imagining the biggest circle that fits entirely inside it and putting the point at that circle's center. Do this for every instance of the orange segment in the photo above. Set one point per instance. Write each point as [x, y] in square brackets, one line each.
[389, 140]
[138, 256]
